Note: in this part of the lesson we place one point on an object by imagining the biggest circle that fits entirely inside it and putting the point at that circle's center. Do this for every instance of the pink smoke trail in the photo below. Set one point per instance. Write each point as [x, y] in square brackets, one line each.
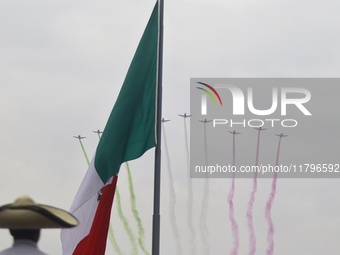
[252, 236]
[234, 226]
[271, 230]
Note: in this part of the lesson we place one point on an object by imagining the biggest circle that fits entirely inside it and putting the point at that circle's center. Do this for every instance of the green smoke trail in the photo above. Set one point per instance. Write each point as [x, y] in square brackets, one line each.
[113, 241]
[98, 132]
[83, 149]
[126, 224]
[141, 232]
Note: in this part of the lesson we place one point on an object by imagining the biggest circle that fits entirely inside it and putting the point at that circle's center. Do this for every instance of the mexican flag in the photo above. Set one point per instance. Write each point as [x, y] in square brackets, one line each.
[130, 131]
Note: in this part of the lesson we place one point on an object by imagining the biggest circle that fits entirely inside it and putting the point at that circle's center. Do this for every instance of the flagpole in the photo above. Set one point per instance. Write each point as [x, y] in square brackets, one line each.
[157, 175]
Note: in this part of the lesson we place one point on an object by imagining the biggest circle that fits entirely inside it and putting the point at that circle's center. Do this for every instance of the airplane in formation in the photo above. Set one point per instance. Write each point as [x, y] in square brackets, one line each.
[260, 128]
[205, 121]
[185, 115]
[79, 137]
[164, 120]
[281, 135]
[98, 132]
[234, 132]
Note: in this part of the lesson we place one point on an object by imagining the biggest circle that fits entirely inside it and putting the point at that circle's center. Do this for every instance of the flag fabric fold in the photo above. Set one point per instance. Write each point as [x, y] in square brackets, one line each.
[130, 131]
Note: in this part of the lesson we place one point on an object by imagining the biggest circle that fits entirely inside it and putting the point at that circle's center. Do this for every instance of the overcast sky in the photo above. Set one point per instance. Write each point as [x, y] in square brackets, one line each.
[62, 65]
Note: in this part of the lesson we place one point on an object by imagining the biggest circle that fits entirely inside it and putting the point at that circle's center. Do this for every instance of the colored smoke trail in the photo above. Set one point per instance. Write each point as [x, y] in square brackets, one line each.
[190, 195]
[126, 224]
[141, 233]
[84, 152]
[205, 201]
[113, 241]
[83, 149]
[234, 226]
[98, 132]
[271, 229]
[172, 200]
[252, 236]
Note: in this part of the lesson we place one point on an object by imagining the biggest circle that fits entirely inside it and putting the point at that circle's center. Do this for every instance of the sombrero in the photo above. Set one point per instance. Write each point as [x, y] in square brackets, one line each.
[24, 213]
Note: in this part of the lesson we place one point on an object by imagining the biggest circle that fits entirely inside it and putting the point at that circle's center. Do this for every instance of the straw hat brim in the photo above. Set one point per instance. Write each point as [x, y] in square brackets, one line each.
[35, 216]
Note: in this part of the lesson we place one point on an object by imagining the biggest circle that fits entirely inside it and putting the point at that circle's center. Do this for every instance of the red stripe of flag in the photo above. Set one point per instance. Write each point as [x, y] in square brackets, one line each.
[95, 241]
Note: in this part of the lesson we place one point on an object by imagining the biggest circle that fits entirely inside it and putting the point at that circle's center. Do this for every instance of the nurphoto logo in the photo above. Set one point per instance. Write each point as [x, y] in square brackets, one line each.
[237, 125]
[244, 100]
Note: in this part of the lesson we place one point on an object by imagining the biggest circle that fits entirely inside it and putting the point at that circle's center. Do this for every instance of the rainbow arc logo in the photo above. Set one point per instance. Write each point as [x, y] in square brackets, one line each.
[213, 94]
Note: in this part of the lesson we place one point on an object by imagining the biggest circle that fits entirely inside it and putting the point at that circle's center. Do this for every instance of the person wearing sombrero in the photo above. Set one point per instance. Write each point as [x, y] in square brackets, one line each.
[24, 218]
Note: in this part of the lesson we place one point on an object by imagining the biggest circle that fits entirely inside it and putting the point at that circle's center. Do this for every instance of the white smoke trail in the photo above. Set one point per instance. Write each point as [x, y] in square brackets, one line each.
[190, 195]
[205, 201]
[172, 200]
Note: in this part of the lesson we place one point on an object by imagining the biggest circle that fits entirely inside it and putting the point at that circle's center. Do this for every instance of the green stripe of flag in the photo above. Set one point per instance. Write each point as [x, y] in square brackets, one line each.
[130, 130]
